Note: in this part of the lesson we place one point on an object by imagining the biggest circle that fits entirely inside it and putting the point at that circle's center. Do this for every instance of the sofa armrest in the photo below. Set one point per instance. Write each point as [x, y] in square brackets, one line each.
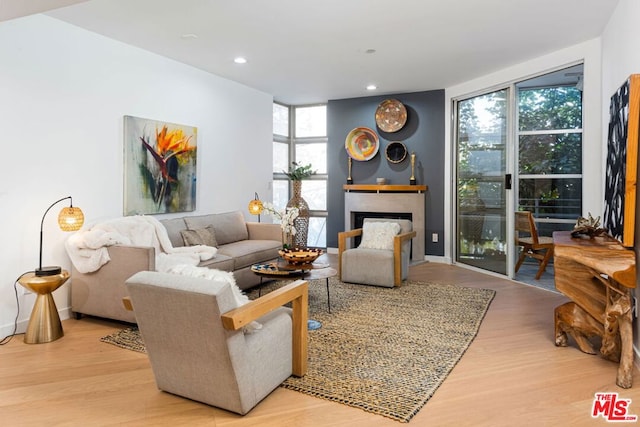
[297, 294]
[127, 257]
[100, 293]
[264, 231]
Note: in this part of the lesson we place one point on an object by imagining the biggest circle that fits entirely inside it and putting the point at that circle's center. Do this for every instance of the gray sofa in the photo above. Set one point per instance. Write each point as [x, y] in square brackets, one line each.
[240, 244]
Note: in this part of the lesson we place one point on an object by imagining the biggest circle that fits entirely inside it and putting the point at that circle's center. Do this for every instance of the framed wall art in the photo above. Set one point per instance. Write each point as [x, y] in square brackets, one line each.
[622, 161]
[159, 167]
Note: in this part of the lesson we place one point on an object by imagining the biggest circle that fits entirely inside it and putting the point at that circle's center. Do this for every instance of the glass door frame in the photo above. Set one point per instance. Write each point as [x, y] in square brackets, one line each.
[512, 156]
[510, 169]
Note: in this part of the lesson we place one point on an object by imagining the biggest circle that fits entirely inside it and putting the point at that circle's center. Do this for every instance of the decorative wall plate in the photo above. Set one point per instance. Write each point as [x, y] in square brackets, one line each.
[391, 115]
[396, 152]
[362, 144]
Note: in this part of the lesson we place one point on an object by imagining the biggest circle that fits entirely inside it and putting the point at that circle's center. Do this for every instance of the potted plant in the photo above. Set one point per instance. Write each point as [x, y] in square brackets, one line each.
[298, 172]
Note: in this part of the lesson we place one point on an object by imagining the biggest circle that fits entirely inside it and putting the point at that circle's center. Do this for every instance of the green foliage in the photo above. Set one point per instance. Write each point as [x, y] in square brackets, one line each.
[481, 127]
[551, 154]
[550, 108]
[299, 172]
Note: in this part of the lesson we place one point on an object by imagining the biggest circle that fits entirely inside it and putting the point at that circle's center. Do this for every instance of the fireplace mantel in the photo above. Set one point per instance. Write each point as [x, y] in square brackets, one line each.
[385, 188]
[391, 199]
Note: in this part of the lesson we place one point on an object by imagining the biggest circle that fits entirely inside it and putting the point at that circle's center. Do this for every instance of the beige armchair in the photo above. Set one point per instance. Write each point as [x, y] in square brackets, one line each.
[200, 348]
[384, 263]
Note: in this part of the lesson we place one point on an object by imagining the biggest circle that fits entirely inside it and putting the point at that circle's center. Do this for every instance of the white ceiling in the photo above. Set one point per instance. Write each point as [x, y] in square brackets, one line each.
[303, 51]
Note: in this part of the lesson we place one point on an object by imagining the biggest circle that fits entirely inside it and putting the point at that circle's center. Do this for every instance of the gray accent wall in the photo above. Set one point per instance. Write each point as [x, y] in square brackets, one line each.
[423, 134]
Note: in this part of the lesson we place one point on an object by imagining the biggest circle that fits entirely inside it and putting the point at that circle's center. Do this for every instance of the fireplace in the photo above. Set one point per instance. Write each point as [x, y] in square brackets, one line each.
[388, 201]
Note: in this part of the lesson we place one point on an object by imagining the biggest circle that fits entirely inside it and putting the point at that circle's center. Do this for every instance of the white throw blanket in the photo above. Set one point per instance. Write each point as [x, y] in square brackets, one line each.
[221, 276]
[88, 247]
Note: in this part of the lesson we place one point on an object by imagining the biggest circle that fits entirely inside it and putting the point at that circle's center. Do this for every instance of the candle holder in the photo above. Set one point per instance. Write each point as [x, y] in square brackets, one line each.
[412, 180]
[349, 179]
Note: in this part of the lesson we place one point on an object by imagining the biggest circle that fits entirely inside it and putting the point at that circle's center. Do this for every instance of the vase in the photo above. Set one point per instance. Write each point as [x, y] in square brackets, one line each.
[287, 240]
[301, 223]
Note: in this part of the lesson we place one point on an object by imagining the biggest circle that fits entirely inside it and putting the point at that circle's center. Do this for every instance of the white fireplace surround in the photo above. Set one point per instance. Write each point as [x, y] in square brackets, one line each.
[389, 202]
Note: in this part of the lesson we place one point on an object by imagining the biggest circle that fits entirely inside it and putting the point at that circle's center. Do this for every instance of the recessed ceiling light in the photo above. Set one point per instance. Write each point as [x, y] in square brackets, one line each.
[189, 36]
[240, 60]
[372, 87]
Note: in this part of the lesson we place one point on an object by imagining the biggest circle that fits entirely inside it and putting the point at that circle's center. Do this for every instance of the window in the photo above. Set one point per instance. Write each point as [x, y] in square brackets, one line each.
[311, 121]
[550, 154]
[307, 145]
[280, 120]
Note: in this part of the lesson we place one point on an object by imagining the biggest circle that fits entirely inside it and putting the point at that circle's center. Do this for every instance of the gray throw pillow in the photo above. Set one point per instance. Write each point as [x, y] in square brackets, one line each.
[201, 236]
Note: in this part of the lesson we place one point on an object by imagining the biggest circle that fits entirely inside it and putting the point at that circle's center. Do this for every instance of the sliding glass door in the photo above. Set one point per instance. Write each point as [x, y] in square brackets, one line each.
[482, 181]
[533, 130]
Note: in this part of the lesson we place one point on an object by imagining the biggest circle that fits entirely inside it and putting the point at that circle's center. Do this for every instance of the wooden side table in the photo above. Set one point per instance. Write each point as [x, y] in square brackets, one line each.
[44, 323]
[598, 275]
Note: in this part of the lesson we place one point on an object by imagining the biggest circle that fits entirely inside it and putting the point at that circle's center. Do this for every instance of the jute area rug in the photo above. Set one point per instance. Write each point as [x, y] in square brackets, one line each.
[383, 350]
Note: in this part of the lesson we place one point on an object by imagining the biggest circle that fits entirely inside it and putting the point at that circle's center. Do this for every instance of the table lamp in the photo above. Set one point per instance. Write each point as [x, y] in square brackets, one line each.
[69, 219]
[256, 207]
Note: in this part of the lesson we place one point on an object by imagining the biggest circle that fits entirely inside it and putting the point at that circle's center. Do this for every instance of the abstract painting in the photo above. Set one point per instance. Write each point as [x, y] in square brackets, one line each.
[622, 161]
[159, 167]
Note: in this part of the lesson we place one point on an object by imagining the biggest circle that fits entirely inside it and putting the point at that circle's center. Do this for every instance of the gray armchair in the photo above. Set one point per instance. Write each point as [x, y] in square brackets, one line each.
[194, 332]
[372, 266]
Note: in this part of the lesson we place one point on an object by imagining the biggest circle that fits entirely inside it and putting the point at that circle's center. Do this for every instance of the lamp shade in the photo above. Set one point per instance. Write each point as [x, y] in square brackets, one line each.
[70, 219]
[255, 207]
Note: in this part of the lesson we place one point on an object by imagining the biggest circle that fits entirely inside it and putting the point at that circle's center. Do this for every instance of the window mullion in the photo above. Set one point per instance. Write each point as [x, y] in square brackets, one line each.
[548, 132]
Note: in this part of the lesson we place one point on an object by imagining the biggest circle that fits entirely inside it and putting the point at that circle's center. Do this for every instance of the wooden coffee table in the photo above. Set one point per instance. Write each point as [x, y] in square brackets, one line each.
[284, 271]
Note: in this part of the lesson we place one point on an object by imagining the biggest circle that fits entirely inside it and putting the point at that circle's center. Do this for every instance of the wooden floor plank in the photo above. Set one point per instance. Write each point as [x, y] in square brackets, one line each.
[512, 374]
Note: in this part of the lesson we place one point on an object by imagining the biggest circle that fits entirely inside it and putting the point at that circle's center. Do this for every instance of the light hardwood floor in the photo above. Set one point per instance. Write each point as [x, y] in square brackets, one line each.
[512, 375]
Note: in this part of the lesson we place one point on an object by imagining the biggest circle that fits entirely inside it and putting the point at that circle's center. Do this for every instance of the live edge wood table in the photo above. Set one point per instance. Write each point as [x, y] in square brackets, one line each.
[598, 275]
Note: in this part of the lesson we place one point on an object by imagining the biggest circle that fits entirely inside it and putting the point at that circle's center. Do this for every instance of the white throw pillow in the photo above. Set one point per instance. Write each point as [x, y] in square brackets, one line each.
[379, 235]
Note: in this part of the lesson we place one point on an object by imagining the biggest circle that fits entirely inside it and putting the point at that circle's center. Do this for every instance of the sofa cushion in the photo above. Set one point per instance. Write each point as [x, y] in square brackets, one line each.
[229, 227]
[249, 252]
[201, 236]
[219, 262]
[174, 226]
[379, 235]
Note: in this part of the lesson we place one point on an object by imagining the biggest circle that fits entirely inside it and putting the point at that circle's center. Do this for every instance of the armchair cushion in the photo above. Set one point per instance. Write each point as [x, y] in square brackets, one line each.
[379, 235]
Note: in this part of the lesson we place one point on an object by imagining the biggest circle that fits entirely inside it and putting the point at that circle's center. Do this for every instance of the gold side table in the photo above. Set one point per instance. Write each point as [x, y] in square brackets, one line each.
[44, 323]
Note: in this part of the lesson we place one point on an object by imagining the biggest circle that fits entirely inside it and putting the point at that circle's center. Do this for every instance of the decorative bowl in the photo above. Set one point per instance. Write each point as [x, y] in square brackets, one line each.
[362, 144]
[299, 256]
[391, 115]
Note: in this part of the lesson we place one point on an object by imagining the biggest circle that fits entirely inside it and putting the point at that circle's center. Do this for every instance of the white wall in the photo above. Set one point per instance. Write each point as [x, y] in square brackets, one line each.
[621, 58]
[589, 53]
[63, 94]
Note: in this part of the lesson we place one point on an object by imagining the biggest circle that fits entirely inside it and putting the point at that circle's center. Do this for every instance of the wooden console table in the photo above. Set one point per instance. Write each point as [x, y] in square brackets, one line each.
[597, 275]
